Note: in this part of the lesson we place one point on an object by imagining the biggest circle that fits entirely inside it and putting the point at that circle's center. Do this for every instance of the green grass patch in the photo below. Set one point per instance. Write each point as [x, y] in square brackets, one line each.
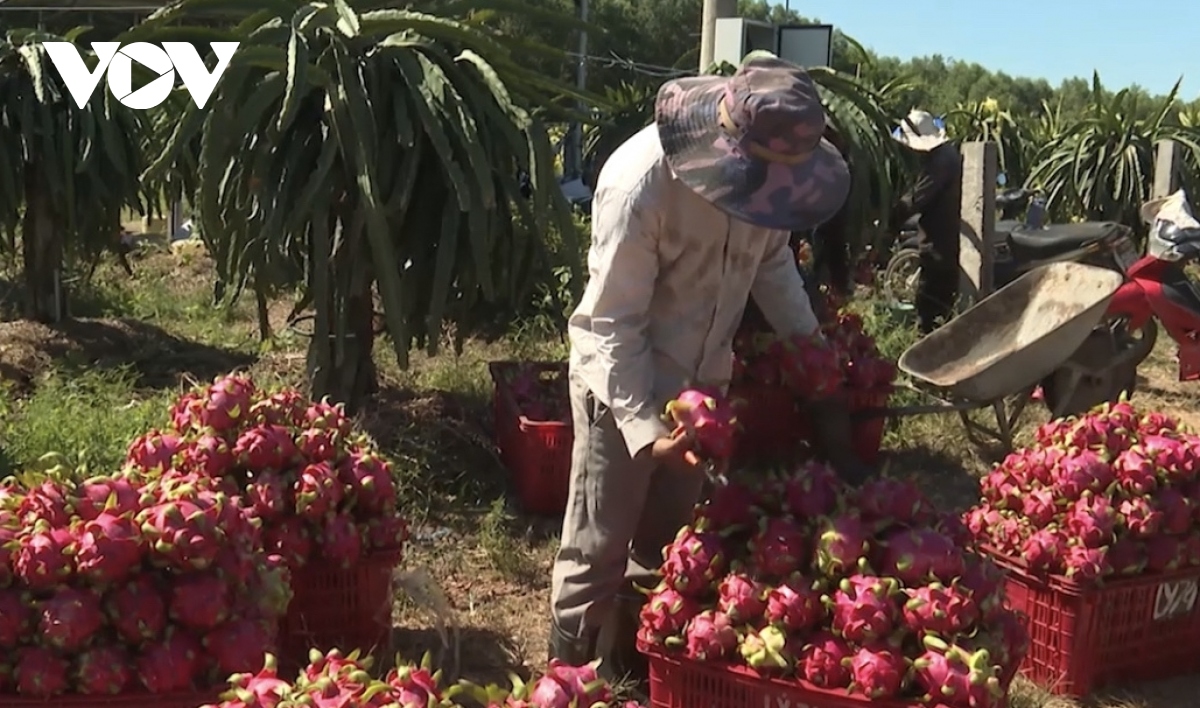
[87, 417]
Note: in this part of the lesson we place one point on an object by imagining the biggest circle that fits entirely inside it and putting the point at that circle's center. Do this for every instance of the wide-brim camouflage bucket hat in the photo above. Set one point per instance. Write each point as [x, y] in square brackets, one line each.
[752, 144]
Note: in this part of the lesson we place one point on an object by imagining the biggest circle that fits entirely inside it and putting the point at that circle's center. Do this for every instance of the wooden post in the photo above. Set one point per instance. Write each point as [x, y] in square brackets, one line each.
[713, 9]
[978, 234]
[1166, 169]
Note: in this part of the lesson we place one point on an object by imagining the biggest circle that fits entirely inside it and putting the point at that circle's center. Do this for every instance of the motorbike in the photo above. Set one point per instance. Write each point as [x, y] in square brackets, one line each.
[1021, 244]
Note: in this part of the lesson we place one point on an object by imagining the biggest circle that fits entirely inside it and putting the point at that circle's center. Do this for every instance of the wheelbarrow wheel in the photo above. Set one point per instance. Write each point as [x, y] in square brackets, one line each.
[901, 276]
[1110, 384]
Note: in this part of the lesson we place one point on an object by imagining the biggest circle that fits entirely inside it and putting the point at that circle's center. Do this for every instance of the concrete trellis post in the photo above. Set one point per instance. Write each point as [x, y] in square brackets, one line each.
[978, 231]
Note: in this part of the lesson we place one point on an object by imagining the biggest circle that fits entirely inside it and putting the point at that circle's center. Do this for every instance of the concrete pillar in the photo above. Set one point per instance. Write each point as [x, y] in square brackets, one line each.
[978, 235]
[713, 9]
[1166, 169]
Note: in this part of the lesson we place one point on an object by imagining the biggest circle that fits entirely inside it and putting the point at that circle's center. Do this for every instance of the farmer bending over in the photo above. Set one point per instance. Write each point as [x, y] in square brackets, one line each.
[690, 217]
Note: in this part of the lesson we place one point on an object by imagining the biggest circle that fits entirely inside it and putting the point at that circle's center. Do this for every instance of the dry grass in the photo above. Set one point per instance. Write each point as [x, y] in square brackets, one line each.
[477, 592]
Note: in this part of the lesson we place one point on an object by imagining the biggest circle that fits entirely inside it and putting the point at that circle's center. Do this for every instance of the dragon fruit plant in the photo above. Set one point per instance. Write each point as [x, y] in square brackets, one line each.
[338, 679]
[318, 488]
[869, 591]
[814, 367]
[129, 584]
[1114, 492]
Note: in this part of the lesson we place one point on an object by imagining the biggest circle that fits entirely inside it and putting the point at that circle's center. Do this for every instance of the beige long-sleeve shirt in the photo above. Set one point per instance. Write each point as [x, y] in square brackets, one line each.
[669, 278]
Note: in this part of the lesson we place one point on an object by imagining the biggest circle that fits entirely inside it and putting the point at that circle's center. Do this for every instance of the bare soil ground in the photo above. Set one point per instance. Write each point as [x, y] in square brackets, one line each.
[475, 586]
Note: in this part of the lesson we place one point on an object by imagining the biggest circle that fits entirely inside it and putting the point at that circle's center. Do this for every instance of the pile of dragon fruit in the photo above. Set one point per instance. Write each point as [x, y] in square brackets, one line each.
[125, 583]
[869, 591]
[337, 679]
[538, 396]
[814, 367]
[320, 490]
[1115, 492]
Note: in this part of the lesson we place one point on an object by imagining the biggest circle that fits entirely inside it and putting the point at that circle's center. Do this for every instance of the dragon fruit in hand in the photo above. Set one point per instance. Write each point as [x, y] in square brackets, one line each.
[707, 415]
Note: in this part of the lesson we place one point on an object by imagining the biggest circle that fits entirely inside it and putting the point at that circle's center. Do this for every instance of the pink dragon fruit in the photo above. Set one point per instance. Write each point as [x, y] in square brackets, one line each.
[69, 618]
[780, 548]
[136, 610]
[1167, 454]
[226, 403]
[693, 561]
[842, 546]
[728, 507]
[808, 365]
[154, 451]
[1140, 518]
[707, 415]
[811, 491]
[1083, 471]
[940, 609]
[418, 686]
[117, 495]
[980, 520]
[864, 608]
[1092, 520]
[915, 556]
[878, 672]
[1001, 489]
[269, 494]
[318, 445]
[318, 491]
[369, 478]
[665, 615]
[209, 455]
[387, 532]
[199, 601]
[1087, 564]
[1040, 506]
[1044, 550]
[16, 618]
[103, 670]
[50, 502]
[43, 557]
[1032, 466]
[952, 527]
[324, 415]
[290, 539]
[238, 645]
[266, 447]
[767, 650]
[710, 636]
[823, 661]
[1155, 423]
[286, 408]
[581, 683]
[951, 676]
[169, 665]
[40, 673]
[742, 597]
[889, 500]
[1176, 511]
[1163, 553]
[1136, 473]
[183, 534]
[795, 605]
[263, 689]
[340, 541]
[109, 548]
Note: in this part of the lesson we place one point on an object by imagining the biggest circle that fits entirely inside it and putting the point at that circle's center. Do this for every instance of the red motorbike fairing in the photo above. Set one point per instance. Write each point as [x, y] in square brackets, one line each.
[1160, 289]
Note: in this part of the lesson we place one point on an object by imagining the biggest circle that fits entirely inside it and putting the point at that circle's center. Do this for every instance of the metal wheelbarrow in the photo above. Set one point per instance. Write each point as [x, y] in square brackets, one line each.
[1007, 343]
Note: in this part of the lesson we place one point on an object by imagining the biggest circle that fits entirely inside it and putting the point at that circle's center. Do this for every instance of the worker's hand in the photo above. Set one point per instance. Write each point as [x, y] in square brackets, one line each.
[675, 451]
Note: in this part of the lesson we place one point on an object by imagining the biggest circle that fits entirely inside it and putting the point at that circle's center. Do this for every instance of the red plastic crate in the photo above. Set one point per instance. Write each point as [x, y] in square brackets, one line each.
[1126, 630]
[178, 699]
[774, 425]
[537, 453]
[677, 682]
[335, 607]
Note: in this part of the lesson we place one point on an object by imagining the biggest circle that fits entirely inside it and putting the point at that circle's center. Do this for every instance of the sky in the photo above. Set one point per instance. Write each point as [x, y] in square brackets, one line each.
[1148, 42]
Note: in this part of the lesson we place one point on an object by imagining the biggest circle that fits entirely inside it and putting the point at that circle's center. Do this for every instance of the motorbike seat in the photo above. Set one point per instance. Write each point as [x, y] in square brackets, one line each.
[1056, 239]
